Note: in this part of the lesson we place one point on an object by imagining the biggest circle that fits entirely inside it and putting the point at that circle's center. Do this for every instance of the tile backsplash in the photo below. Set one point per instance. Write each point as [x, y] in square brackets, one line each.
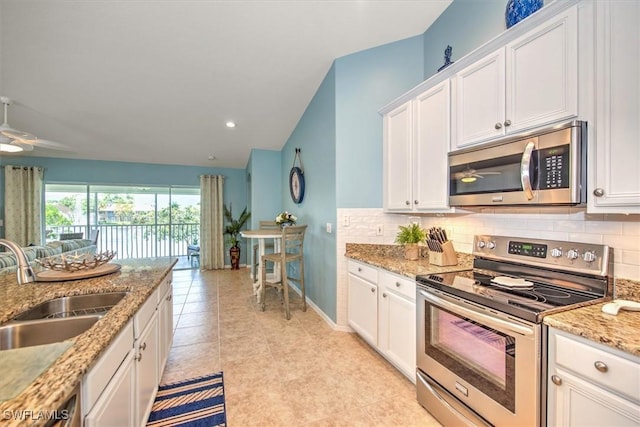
[621, 232]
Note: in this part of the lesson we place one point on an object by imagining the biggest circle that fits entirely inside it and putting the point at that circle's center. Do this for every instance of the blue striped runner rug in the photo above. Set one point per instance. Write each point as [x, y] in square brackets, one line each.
[192, 403]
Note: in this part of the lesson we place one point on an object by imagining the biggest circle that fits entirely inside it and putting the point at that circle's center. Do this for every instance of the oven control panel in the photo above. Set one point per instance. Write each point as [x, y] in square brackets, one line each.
[527, 249]
[575, 256]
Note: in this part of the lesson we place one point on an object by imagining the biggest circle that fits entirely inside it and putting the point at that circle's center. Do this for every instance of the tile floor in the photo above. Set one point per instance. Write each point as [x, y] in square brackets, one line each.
[277, 372]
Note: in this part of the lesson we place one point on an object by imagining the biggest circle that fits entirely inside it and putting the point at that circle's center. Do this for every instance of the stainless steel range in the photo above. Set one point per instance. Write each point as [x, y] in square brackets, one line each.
[481, 347]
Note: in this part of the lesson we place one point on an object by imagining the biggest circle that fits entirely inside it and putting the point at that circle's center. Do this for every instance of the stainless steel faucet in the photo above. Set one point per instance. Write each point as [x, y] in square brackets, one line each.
[24, 272]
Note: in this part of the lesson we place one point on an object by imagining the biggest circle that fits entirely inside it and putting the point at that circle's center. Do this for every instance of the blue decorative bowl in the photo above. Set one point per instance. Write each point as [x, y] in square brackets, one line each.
[517, 10]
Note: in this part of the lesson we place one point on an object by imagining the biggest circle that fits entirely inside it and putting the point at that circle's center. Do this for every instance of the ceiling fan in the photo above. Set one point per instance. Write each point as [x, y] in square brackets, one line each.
[470, 175]
[13, 141]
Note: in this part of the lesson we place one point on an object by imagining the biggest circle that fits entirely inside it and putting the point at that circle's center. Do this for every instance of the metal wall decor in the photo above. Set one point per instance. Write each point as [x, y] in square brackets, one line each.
[296, 179]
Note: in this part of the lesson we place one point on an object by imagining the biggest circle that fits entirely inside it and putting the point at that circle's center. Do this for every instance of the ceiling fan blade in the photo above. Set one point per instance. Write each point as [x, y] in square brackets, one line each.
[51, 145]
[6, 131]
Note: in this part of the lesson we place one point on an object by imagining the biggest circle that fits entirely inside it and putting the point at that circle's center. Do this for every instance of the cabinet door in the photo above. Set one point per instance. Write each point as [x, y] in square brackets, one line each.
[397, 339]
[615, 186]
[146, 347]
[542, 74]
[165, 318]
[578, 403]
[431, 145]
[116, 405]
[363, 308]
[397, 171]
[480, 101]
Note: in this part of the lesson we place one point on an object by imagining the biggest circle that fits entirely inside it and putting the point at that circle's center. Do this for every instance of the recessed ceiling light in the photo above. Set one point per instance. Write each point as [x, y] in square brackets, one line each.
[213, 158]
[230, 124]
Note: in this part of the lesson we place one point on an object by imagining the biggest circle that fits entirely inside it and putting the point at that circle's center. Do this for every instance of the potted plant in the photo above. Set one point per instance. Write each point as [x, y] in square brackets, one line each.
[409, 237]
[233, 228]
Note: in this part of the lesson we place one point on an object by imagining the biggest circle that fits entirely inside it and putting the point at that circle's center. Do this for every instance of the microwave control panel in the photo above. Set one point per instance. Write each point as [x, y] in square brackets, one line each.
[554, 167]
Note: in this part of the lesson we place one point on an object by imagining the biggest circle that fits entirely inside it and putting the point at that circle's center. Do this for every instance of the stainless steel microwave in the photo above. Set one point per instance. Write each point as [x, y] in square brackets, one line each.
[543, 167]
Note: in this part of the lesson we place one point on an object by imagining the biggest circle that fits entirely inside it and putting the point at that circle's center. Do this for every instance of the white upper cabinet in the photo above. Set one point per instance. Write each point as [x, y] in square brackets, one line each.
[531, 81]
[416, 141]
[614, 156]
[397, 171]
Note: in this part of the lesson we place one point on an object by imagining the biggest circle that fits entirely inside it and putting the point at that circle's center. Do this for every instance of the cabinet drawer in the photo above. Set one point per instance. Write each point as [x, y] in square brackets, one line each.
[364, 271]
[101, 373]
[144, 314]
[620, 374]
[164, 287]
[402, 285]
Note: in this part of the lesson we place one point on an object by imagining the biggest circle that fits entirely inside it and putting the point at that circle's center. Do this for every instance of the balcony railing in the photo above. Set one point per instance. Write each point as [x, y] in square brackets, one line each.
[136, 241]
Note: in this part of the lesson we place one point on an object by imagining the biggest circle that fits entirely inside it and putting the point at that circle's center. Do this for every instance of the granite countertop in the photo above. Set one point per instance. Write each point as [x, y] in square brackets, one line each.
[391, 258]
[621, 332]
[54, 382]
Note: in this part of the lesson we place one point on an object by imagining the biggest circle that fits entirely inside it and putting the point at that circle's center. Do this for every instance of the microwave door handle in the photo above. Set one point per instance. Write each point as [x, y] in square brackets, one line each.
[525, 167]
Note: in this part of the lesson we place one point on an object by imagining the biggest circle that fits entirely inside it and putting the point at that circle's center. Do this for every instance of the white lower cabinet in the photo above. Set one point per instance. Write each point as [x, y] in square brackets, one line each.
[146, 346]
[382, 310]
[363, 301]
[117, 407]
[397, 321]
[591, 384]
[165, 324]
[120, 388]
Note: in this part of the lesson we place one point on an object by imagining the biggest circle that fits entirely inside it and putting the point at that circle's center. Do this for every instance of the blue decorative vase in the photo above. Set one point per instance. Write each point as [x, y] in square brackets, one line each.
[517, 10]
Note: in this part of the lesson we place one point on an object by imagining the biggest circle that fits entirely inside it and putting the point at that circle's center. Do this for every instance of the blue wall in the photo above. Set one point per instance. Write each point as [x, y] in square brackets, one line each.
[265, 190]
[365, 82]
[122, 173]
[464, 25]
[315, 136]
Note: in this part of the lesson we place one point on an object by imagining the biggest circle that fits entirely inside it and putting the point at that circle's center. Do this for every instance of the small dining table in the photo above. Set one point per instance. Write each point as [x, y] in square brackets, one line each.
[261, 235]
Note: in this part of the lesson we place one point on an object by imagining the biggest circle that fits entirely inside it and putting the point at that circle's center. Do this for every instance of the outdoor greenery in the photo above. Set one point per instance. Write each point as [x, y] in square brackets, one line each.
[234, 225]
[119, 209]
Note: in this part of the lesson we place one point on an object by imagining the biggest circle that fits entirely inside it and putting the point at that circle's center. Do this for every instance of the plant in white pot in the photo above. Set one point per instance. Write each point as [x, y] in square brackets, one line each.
[409, 237]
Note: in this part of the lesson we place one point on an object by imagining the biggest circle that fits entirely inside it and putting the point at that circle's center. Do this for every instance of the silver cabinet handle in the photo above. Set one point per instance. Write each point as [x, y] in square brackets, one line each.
[397, 284]
[406, 202]
[598, 192]
[373, 290]
[601, 366]
[143, 347]
[139, 357]
[507, 122]
[415, 202]
[384, 295]
[359, 269]
[556, 379]
[498, 125]
[525, 163]
[169, 297]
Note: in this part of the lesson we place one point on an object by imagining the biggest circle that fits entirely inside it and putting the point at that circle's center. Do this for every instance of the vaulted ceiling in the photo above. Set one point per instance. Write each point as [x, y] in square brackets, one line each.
[155, 81]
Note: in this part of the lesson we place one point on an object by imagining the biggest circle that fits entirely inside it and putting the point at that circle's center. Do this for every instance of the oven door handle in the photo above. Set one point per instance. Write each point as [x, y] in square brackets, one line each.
[485, 319]
[525, 166]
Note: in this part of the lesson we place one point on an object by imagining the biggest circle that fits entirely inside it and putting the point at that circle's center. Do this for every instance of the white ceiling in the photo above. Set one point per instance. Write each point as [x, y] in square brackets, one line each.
[155, 81]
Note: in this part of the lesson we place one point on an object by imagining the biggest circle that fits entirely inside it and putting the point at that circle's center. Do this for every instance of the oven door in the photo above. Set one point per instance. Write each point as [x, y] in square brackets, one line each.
[487, 361]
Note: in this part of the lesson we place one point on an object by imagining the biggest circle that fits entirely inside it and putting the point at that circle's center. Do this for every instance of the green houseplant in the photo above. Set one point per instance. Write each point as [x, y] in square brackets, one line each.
[232, 229]
[409, 236]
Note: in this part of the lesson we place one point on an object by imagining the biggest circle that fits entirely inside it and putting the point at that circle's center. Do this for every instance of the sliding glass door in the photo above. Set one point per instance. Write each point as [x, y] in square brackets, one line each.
[134, 221]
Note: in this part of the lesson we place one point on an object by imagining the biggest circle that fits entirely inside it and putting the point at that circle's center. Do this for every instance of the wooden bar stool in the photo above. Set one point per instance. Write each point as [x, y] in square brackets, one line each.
[263, 225]
[291, 250]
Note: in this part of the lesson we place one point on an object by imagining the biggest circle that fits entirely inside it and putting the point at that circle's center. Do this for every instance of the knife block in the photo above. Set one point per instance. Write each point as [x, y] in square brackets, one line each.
[446, 257]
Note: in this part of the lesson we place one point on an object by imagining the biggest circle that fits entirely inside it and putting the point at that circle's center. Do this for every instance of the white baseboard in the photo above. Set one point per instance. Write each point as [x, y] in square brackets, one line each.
[323, 315]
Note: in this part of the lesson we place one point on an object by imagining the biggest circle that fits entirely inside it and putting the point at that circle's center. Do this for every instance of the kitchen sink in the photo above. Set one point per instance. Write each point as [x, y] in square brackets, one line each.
[44, 331]
[71, 306]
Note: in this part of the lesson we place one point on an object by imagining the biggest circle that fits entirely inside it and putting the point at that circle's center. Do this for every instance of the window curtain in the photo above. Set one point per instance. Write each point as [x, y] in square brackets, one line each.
[23, 204]
[211, 217]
